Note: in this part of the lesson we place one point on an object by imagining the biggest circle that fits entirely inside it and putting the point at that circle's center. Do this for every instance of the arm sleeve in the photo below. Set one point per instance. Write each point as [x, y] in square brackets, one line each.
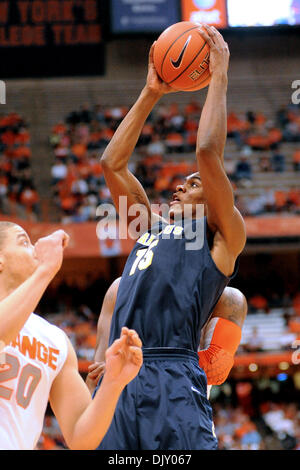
[220, 341]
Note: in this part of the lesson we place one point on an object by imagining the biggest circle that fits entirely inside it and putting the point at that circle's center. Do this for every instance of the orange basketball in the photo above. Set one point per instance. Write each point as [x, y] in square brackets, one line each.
[181, 57]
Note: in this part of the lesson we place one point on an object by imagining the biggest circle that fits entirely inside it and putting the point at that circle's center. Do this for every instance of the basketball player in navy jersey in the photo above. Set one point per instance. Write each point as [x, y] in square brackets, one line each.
[226, 319]
[168, 292]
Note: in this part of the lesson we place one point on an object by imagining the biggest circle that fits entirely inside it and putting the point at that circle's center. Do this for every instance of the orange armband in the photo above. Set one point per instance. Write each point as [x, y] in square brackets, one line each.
[221, 340]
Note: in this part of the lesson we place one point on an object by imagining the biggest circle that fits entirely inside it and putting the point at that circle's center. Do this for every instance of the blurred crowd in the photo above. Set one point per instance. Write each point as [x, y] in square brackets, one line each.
[164, 155]
[275, 427]
[18, 195]
[167, 138]
[274, 424]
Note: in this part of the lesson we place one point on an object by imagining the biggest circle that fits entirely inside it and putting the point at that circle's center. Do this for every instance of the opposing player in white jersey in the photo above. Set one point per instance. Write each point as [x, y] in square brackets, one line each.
[37, 360]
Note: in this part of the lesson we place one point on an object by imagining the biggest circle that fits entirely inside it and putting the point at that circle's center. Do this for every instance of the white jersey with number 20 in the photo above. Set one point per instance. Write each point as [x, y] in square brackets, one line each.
[28, 366]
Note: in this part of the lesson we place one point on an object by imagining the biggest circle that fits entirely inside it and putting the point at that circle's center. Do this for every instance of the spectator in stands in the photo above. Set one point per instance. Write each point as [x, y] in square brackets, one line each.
[18, 197]
[296, 160]
[156, 145]
[243, 169]
[167, 131]
[269, 200]
[282, 117]
[291, 132]
[250, 115]
[85, 114]
[258, 302]
[247, 434]
[278, 162]
[62, 151]
[293, 199]
[146, 135]
[265, 163]
[230, 167]
[29, 198]
[98, 113]
[280, 200]
[258, 139]
[59, 172]
[255, 204]
[281, 420]
[255, 342]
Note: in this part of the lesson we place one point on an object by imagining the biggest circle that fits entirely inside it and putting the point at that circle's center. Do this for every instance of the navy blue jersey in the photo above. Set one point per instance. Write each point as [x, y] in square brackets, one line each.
[167, 291]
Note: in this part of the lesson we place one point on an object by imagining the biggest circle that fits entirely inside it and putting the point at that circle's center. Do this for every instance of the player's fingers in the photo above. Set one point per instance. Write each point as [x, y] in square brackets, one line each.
[218, 38]
[93, 375]
[205, 36]
[215, 33]
[136, 354]
[210, 31]
[132, 337]
[135, 339]
[95, 366]
[65, 240]
[117, 345]
[96, 374]
[151, 52]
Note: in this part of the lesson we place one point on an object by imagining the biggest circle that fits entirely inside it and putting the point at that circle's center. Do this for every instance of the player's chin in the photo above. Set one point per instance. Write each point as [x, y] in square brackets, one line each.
[175, 211]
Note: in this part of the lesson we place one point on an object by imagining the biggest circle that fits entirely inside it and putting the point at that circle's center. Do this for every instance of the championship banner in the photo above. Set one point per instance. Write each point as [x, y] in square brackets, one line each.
[50, 38]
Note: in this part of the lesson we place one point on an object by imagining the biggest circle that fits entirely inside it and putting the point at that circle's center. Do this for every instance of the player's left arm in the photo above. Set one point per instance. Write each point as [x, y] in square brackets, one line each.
[84, 421]
[222, 217]
[221, 336]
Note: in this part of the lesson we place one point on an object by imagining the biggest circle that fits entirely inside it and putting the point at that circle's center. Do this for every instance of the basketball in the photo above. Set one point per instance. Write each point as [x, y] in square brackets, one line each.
[181, 57]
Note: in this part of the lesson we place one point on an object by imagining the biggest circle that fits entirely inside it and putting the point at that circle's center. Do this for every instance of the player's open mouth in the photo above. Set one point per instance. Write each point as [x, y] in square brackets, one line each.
[176, 201]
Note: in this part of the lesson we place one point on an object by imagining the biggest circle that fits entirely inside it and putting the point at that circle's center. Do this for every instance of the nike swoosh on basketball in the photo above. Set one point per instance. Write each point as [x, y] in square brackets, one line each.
[176, 63]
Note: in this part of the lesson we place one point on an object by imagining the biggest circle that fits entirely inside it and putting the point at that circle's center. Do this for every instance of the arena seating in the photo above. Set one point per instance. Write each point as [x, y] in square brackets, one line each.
[18, 195]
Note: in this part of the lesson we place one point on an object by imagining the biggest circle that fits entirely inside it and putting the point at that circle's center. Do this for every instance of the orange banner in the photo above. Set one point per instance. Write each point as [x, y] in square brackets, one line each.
[273, 226]
[86, 241]
[271, 358]
[212, 12]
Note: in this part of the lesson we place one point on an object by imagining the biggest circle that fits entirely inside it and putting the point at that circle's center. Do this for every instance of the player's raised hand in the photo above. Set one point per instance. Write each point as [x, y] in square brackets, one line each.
[49, 251]
[219, 51]
[154, 82]
[124, 358]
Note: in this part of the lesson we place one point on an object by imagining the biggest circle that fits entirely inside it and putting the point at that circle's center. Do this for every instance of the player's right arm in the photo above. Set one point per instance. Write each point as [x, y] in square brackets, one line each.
[114, 161]
[96, 369]
[17, 306]
[223, 218]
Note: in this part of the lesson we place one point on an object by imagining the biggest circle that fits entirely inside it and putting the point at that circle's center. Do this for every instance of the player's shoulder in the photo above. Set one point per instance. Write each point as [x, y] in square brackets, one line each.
[39, 323]
[38, 320]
